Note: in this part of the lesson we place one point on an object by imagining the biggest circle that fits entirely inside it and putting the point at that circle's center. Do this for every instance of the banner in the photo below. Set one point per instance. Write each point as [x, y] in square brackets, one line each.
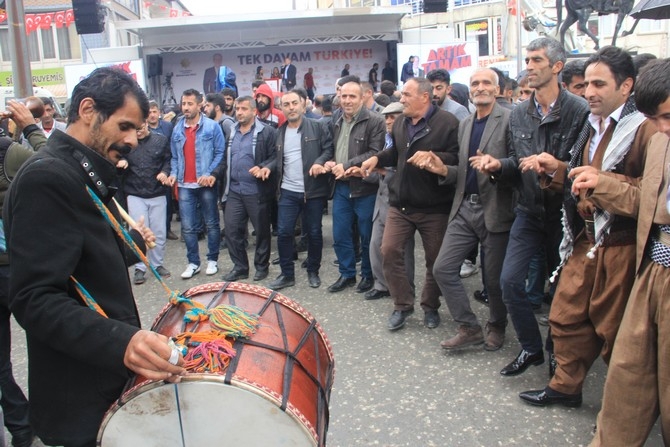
[41, 77]
[75, 73]
[327, 60]
[33, 22]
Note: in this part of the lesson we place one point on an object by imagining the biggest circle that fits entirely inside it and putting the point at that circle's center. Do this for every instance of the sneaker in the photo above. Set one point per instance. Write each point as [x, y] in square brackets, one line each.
[212, 268]
[468, 269]
[165, 273]
[466, 336]
[191, 270]
[139, 277]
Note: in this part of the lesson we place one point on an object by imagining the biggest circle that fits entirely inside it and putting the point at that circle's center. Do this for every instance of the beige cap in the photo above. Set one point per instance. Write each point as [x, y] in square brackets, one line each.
[394, 107]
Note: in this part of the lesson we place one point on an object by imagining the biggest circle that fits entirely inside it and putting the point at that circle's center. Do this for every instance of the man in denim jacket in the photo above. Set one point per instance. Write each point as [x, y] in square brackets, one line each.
[197, 147]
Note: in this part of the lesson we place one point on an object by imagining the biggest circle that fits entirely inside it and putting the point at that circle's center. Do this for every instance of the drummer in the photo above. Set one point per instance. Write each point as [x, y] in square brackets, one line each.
[80, 353]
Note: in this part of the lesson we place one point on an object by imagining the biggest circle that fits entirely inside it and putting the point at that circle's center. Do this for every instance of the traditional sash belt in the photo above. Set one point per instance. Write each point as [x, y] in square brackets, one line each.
[659, 248]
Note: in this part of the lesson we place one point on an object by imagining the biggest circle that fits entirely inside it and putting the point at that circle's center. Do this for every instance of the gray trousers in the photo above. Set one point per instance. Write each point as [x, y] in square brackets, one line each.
[464, 231]
[376, 261]
[154, 211]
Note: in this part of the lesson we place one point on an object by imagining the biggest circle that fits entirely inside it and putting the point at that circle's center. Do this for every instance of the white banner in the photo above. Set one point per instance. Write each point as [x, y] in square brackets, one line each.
[458, 58]
[75, 73]
[326, 60]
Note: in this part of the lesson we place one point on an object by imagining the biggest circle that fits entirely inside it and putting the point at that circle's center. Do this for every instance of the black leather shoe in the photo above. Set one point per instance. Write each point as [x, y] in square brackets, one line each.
[522, 362]
[552, 365]
[260, 275]
[342, 283]
[481, 296]
[282, 282]
[235, 275]
[431, 319]
[547, 396]
[365, 285]
[397, 319]
[374, 294]
[313, 280]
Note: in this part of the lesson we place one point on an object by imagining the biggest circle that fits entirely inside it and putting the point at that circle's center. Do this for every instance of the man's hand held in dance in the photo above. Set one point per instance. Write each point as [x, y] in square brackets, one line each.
[543, 163]
[485, 163]
[207, 181]
[428, 161]
[369, 165]
[583, 177]
[317, 170]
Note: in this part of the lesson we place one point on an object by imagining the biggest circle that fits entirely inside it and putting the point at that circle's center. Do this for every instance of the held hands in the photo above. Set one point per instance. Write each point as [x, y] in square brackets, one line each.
[583, 177]
[260, 173]
[541, 164]
[317, 170]
[170, 181]
[148, 354]
[369, 165]
[338, 171]
[427, 160]
[161, 177]
[207, 181]
[485, 163]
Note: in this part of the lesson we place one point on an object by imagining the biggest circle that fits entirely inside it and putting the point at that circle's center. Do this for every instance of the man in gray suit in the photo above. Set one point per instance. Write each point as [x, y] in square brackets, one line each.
[482, 212]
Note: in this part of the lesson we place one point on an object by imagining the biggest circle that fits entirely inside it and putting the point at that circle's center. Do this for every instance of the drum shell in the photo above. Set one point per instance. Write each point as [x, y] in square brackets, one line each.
[289, 351]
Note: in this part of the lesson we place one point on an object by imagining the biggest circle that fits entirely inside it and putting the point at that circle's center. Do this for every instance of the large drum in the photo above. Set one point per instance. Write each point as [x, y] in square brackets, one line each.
[275, 392]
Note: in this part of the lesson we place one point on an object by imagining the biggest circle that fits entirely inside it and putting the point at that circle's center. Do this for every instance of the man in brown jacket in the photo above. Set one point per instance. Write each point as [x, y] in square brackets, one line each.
[598, 248]
[636, 390]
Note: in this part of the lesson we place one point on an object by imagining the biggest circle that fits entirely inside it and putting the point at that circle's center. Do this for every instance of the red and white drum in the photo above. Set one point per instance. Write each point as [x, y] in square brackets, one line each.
[275, 392]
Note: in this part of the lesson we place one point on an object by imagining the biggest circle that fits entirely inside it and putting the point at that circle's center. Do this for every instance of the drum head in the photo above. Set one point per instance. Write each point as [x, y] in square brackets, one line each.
[201, 410]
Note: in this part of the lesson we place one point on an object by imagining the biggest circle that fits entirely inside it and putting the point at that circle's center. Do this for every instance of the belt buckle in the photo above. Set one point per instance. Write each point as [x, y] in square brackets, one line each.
[473, 199]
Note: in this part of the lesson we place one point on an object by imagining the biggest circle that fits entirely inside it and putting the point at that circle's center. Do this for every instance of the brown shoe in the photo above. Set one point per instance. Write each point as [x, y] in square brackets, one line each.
[495, 338]
[466, 336]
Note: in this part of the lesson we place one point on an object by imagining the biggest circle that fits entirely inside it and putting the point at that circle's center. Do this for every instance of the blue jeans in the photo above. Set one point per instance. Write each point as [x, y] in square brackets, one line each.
[345, 210]
[289, 207]
[527, 236]
[537, 276]
[189, 198]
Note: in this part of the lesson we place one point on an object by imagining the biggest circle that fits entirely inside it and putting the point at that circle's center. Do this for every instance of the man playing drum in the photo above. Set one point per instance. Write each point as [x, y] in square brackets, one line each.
[80, 357]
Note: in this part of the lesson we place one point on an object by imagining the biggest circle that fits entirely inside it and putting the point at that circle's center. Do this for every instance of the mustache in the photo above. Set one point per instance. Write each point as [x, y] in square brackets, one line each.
[121, 149]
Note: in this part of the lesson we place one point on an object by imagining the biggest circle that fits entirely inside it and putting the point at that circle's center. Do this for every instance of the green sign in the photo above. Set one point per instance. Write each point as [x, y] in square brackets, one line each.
[41, 77]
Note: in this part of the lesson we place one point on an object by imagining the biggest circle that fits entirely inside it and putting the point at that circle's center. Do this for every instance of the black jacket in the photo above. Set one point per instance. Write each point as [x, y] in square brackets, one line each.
[415, 190]
[317, 148]
[151, 157]
[555, 134]
[12, 156]
[54, 231]
[366, 139]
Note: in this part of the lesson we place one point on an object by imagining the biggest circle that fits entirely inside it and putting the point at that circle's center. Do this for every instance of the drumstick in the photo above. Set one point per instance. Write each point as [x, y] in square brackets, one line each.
[130, 220]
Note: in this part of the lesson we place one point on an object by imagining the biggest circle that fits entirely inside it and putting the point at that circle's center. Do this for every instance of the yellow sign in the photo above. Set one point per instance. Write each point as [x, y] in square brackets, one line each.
[41, 77]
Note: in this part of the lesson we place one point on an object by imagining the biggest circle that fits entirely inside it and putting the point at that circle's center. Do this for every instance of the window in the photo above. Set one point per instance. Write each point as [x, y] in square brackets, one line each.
[64, 49]
[33, 47]
[48, 47]
[4, 45]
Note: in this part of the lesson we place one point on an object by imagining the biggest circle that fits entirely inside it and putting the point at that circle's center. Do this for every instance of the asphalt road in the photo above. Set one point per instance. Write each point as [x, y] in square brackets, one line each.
[400, 388]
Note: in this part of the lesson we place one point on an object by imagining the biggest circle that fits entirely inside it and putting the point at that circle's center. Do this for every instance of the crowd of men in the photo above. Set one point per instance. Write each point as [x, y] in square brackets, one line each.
[571, 182]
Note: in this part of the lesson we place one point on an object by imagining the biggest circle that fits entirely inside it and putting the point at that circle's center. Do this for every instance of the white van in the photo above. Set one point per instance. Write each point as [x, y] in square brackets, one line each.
[7, 93]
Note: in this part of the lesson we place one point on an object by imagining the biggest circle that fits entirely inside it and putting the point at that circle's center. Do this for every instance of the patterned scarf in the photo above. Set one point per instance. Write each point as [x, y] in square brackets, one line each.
[622, 138]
